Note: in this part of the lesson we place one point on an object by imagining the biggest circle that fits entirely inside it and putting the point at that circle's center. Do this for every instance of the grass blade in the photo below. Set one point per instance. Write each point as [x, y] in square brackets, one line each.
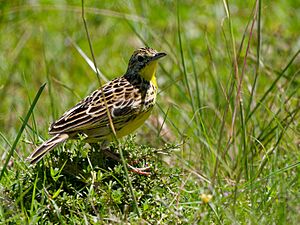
[272, 85]
[11, 152]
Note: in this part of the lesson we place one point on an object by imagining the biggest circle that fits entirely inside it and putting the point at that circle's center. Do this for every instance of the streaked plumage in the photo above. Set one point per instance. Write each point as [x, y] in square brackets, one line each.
[129, 100]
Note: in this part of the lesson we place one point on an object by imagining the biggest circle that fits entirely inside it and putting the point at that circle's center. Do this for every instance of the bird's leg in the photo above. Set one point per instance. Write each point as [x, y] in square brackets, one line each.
[140, 170]
[112, 155]
[115, 156]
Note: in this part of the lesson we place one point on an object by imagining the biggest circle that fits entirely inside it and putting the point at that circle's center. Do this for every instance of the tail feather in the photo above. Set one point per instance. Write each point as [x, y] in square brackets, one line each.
[47, 146]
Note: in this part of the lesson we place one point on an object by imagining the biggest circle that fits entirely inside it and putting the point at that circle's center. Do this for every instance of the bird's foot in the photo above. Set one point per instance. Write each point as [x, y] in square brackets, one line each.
[141, 171]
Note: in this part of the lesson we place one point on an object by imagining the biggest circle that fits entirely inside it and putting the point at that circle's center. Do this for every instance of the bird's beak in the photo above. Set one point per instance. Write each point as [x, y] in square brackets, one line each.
[158, 55]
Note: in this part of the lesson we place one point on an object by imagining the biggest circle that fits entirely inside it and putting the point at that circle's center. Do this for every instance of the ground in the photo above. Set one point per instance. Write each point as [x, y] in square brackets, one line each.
[222, 143]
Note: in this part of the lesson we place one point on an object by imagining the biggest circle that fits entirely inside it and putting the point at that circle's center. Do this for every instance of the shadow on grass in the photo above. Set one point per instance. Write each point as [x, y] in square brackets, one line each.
[79, 181]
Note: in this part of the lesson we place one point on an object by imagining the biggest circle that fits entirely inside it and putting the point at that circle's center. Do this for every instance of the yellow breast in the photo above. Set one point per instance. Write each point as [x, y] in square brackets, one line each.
[134, 124]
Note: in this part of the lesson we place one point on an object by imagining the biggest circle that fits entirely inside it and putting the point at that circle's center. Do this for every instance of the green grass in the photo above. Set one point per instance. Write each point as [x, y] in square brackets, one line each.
[226, 123]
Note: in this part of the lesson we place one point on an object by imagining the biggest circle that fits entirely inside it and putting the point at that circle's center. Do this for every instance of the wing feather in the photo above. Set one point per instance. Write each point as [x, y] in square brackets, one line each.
[123, 100]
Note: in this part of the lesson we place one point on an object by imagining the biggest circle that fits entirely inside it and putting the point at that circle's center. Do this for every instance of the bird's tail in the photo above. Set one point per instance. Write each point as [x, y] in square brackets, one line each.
[47, 146]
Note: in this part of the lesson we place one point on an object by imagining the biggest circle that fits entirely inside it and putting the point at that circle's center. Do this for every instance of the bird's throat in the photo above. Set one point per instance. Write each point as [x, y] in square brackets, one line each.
[148, 72]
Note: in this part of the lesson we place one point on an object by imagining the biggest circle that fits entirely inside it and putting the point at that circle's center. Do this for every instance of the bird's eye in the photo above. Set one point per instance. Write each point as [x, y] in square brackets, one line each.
[140, 58]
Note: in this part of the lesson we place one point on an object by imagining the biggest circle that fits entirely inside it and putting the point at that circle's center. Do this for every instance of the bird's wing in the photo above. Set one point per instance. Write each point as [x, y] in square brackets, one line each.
[122, 100]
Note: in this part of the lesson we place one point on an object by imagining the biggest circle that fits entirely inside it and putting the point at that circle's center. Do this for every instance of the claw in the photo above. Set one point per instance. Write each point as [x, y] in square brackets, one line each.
[141, 171]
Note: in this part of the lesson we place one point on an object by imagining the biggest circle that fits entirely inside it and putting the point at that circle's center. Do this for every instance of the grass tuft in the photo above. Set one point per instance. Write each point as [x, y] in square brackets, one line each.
[222, 143]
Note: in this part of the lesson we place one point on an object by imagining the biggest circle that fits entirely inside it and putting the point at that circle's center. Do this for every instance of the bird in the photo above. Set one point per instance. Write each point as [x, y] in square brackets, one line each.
[126, 102]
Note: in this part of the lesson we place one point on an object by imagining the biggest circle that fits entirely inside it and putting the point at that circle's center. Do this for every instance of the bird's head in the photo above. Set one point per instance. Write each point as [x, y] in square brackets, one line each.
[144, 62]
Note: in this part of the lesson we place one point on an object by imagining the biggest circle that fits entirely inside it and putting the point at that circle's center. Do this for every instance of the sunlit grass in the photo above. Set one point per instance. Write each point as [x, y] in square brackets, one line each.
[227, 112]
